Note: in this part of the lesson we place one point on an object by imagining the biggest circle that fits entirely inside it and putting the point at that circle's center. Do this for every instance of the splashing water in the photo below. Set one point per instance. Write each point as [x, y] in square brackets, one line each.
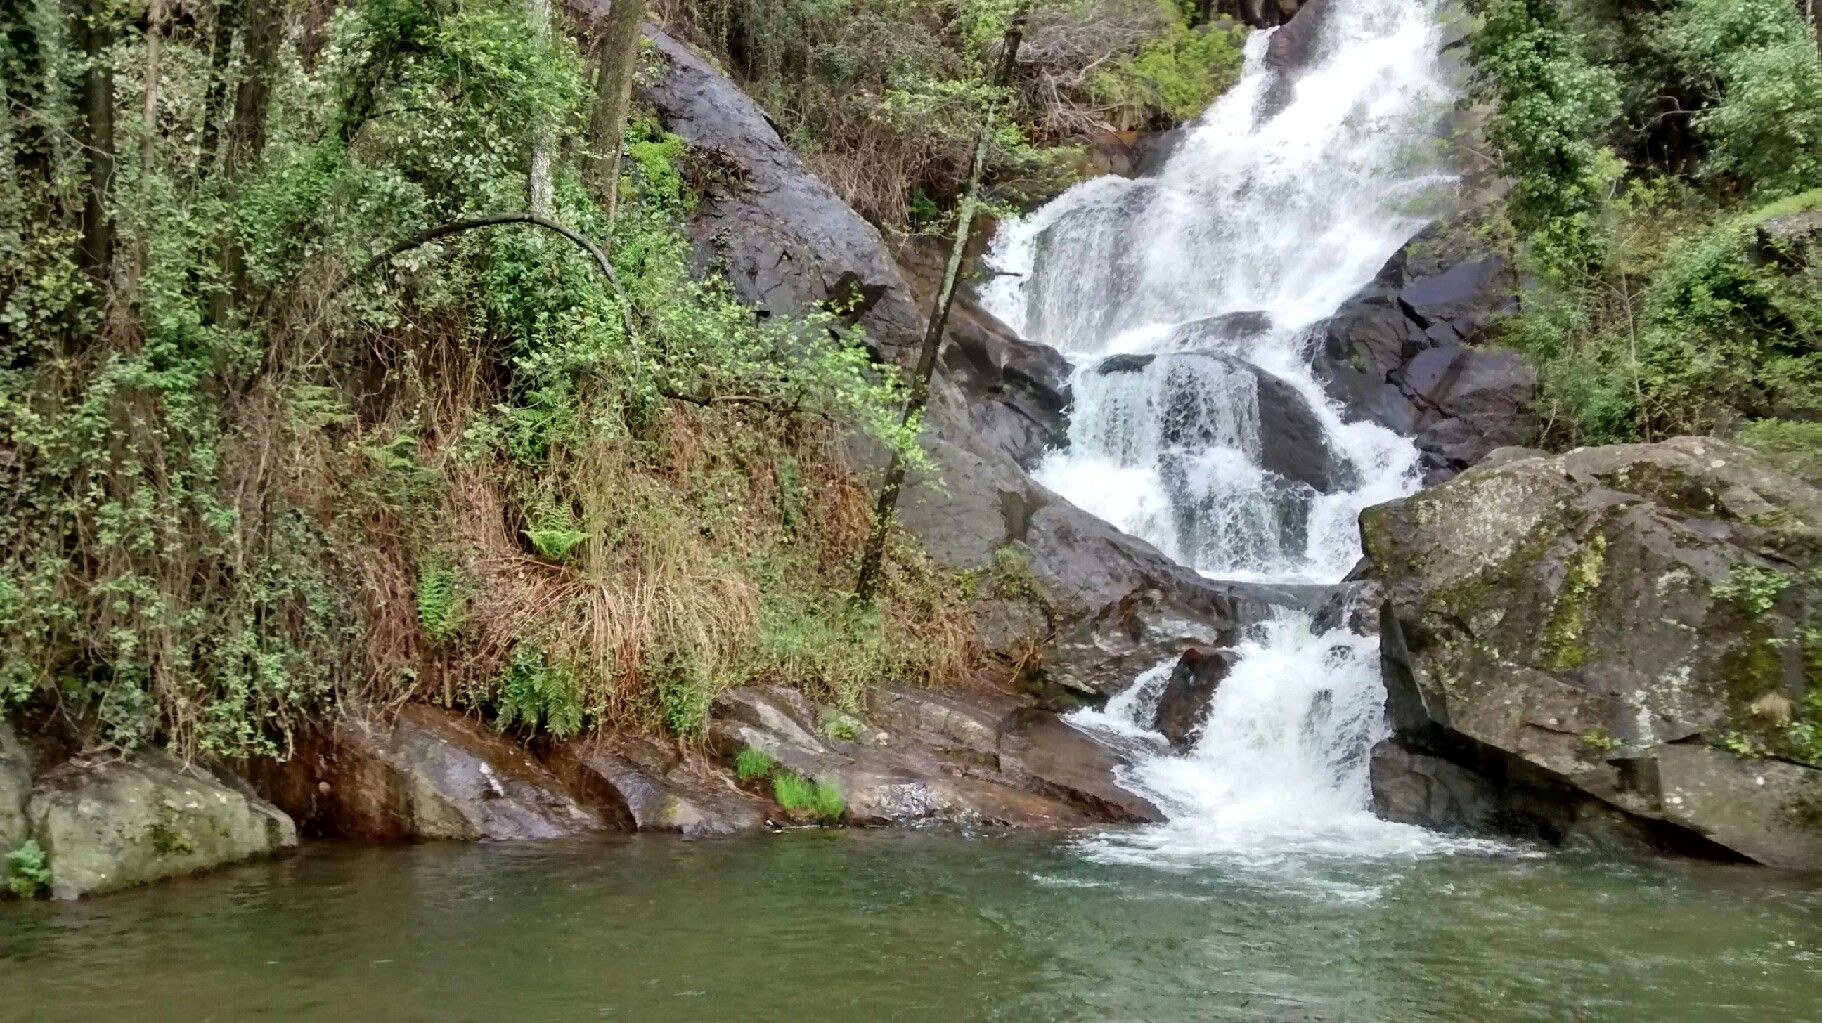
[1186, 304]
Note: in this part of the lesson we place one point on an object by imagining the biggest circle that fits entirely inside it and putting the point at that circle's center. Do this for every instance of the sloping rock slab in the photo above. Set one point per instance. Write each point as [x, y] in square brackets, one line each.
[1611, 618]
[978, 757]
[786, 241]
[643, 784]
[108, 825]
[428, 774]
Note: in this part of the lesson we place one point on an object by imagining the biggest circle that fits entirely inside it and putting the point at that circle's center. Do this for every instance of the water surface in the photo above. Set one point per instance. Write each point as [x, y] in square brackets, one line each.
[934, 925]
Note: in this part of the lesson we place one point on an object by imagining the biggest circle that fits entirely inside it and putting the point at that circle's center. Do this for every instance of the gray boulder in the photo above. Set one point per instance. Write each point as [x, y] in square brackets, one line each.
[108, 825]
[1619, 623]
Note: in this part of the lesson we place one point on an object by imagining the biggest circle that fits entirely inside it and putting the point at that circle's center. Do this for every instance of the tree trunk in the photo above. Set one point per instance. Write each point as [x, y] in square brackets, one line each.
[538, 179]
[215, 96]
[252, 95]
[618, 58]
[148, 146]
[939, 315]
[95, 35]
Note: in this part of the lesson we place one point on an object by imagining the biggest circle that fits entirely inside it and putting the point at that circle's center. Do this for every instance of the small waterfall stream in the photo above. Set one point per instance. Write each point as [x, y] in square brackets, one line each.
[1185, 303]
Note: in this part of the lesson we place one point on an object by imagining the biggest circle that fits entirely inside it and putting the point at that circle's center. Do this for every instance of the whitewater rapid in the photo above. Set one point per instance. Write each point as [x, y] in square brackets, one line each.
[1186, 304]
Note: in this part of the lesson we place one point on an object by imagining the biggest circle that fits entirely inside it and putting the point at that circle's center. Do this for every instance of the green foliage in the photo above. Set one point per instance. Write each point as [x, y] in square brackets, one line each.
[1600, 741]
[221, 462]
[539, 693]
[28, 870]
[798, 794]
[1758, 63]
[1174, 76]
[442, 600]
[1551, 107]
[1755, 589]
[752, 764]
[840, 726]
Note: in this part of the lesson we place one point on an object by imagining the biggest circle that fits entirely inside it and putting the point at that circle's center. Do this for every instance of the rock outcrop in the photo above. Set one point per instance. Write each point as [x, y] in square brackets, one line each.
[1628, 626]
[1407, 353]
[427, 774]
[104, 825]
[977, 757]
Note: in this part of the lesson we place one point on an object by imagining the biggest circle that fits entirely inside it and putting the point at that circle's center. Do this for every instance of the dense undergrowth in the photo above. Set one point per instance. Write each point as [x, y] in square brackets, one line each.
[246, 477]
[1650, 143]
[881, 96]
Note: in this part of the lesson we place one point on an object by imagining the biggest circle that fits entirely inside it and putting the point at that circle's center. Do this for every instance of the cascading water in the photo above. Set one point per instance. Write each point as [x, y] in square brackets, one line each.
[1185, 303]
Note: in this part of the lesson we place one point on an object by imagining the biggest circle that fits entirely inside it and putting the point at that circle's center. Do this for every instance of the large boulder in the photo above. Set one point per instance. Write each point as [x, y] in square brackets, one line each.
[111, 824]
[425, 774]
[15, 789]
[1625, 623]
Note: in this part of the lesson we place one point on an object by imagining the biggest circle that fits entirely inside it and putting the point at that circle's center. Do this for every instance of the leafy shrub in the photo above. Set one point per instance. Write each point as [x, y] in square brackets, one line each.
[1174, 76]
[442, 600]
[798, 794]
[28, 870]
[539, 693]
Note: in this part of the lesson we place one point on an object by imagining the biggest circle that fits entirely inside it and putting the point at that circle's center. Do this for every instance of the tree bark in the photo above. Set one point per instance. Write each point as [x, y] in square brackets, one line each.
[618, 58]
[215, 95]
[95, 33]
[252, 95]
[148, 146]
[538, 178]
[919, 396]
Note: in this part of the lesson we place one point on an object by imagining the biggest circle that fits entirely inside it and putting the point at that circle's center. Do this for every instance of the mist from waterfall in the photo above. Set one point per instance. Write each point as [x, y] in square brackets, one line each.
[1185, 304]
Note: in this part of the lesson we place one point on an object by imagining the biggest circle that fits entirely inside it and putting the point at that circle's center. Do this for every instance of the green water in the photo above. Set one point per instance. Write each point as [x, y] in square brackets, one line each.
[918, 926]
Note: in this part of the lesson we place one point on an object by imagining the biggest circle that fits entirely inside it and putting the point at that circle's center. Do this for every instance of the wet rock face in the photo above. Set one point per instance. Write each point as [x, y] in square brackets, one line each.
[108, 825]
[428, 774]
[1614, 619]
[978, 756]
[1183, 705]
[786, 241]
[15, 789]
[643, 784]
[1404, 353]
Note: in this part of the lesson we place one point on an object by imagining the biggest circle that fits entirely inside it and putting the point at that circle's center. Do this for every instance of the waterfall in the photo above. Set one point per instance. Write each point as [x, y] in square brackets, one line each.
[1185, 304]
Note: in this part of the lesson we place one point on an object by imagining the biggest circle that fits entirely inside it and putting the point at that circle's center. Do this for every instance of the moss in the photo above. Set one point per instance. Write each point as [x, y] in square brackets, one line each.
[1564, 635]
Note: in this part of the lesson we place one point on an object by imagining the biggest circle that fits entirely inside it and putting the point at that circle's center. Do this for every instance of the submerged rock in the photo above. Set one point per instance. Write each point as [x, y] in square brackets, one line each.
[1617, 621]
[425, 775]
[108, 825]
[1188, 693]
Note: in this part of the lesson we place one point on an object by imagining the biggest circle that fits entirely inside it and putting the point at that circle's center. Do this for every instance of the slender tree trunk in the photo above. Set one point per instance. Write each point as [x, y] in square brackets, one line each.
[252, 94]
[215, 95]
[618, 59]
[95, 33]
[148, 146]
[939, 315]
[542, 191]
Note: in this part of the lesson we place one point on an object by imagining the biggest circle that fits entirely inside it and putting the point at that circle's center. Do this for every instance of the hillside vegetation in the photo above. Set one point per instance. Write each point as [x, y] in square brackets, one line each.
[1649, 144]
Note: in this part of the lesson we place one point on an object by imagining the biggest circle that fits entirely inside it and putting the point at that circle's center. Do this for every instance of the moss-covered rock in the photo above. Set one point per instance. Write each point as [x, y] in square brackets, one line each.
[15, 789]
[107, 825]
[1657, 597]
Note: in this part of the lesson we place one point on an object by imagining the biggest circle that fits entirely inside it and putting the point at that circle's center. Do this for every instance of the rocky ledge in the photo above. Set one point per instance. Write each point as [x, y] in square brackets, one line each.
[1614, 646]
